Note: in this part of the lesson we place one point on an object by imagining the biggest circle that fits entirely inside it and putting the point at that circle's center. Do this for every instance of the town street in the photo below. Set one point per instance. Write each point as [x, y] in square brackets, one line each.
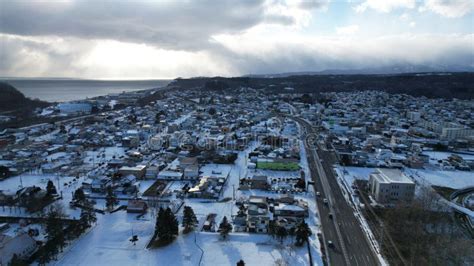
[343, 230]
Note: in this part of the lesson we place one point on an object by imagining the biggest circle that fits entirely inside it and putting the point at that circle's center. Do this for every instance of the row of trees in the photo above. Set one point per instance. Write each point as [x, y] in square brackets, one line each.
[302, 232]
[169, 223]
[56, 235]
[167, 226]
[110, 198]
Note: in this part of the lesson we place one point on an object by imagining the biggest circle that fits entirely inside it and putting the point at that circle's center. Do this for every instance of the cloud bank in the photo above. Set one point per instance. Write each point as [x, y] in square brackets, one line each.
[104, 39]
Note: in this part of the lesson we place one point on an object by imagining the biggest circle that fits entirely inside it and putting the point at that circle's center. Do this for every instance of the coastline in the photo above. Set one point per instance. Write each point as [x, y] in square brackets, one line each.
[66, 90]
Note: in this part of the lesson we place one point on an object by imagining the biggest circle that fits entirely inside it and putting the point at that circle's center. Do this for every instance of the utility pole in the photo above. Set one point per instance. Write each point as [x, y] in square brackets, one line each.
[233, 192]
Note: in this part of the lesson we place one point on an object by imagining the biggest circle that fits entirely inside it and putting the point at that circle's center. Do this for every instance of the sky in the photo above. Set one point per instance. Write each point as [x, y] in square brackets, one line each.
[183, 38]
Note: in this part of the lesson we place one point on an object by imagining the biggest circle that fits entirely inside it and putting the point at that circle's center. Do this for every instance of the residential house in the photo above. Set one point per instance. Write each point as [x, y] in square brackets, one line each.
[136, 206]
[22, 245]
[258, 216]
[254, 182]
[138, 171]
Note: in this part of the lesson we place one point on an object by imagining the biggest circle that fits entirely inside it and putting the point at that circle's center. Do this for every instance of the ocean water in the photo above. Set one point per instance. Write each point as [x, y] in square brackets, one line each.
[61, 90]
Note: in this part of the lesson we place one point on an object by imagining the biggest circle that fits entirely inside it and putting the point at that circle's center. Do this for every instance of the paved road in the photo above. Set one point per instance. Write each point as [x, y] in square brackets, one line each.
[343, 229]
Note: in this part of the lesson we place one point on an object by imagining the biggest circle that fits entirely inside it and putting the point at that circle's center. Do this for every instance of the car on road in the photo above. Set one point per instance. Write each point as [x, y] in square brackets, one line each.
[318, 193]
[330, 244]
[325, 201]
[330, 215]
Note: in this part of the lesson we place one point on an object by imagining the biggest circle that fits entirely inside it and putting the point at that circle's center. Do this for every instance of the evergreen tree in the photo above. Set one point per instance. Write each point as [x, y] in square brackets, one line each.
[110, 199]
[302, 233]
[159, 219]
[189, 219]
[4, 172]
[50, 188]
[272, 228]
[17, 261]
[79, 195]
[241, 211]
[301, 184]
[44, 255]
[241, 263]
[291, 233]
[212, 111]
[281, 233]
[55, 229]
[166, 225]
[88, 216]
[225, 227]
[172, 222]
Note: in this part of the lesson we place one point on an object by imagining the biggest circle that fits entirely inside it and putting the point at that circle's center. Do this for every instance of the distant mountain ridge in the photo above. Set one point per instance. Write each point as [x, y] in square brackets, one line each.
[389, 70]
[429, 84]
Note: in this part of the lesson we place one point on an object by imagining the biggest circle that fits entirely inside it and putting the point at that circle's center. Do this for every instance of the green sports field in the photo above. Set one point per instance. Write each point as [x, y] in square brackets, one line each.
[278, 166]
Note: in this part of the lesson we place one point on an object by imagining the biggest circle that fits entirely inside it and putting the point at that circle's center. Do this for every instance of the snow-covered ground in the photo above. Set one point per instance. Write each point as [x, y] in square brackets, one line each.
[66, 185]
[103, 155]
[217, 170]
[452, 179]
[144, 185]
[353, 173]
[437, 155]
[108, 244]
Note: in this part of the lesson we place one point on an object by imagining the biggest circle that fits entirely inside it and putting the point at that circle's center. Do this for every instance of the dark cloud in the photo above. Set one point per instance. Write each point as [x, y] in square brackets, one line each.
[26, 57]
[184, 38]
[167, 24]
[69, 57]
[433, 51]
[313, 4]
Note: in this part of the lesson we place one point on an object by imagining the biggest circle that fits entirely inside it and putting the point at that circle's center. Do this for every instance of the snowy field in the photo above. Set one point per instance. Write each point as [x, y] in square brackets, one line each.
[452, 179]
[108, 244]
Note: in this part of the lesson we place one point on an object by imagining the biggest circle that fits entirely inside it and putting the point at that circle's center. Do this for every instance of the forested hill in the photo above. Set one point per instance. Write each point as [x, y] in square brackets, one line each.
[13, 100]
[442, 85]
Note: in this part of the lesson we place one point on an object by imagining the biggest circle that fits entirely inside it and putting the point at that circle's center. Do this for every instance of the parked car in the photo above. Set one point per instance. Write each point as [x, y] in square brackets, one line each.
[330, 244]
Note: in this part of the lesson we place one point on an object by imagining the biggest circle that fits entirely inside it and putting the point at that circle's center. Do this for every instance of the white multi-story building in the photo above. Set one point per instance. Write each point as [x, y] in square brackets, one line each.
[414, 116]
[456, 133]
[390, 186]
[437, 126]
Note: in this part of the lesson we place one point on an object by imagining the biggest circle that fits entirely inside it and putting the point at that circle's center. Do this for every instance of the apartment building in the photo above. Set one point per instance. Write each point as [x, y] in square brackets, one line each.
[456, 133]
